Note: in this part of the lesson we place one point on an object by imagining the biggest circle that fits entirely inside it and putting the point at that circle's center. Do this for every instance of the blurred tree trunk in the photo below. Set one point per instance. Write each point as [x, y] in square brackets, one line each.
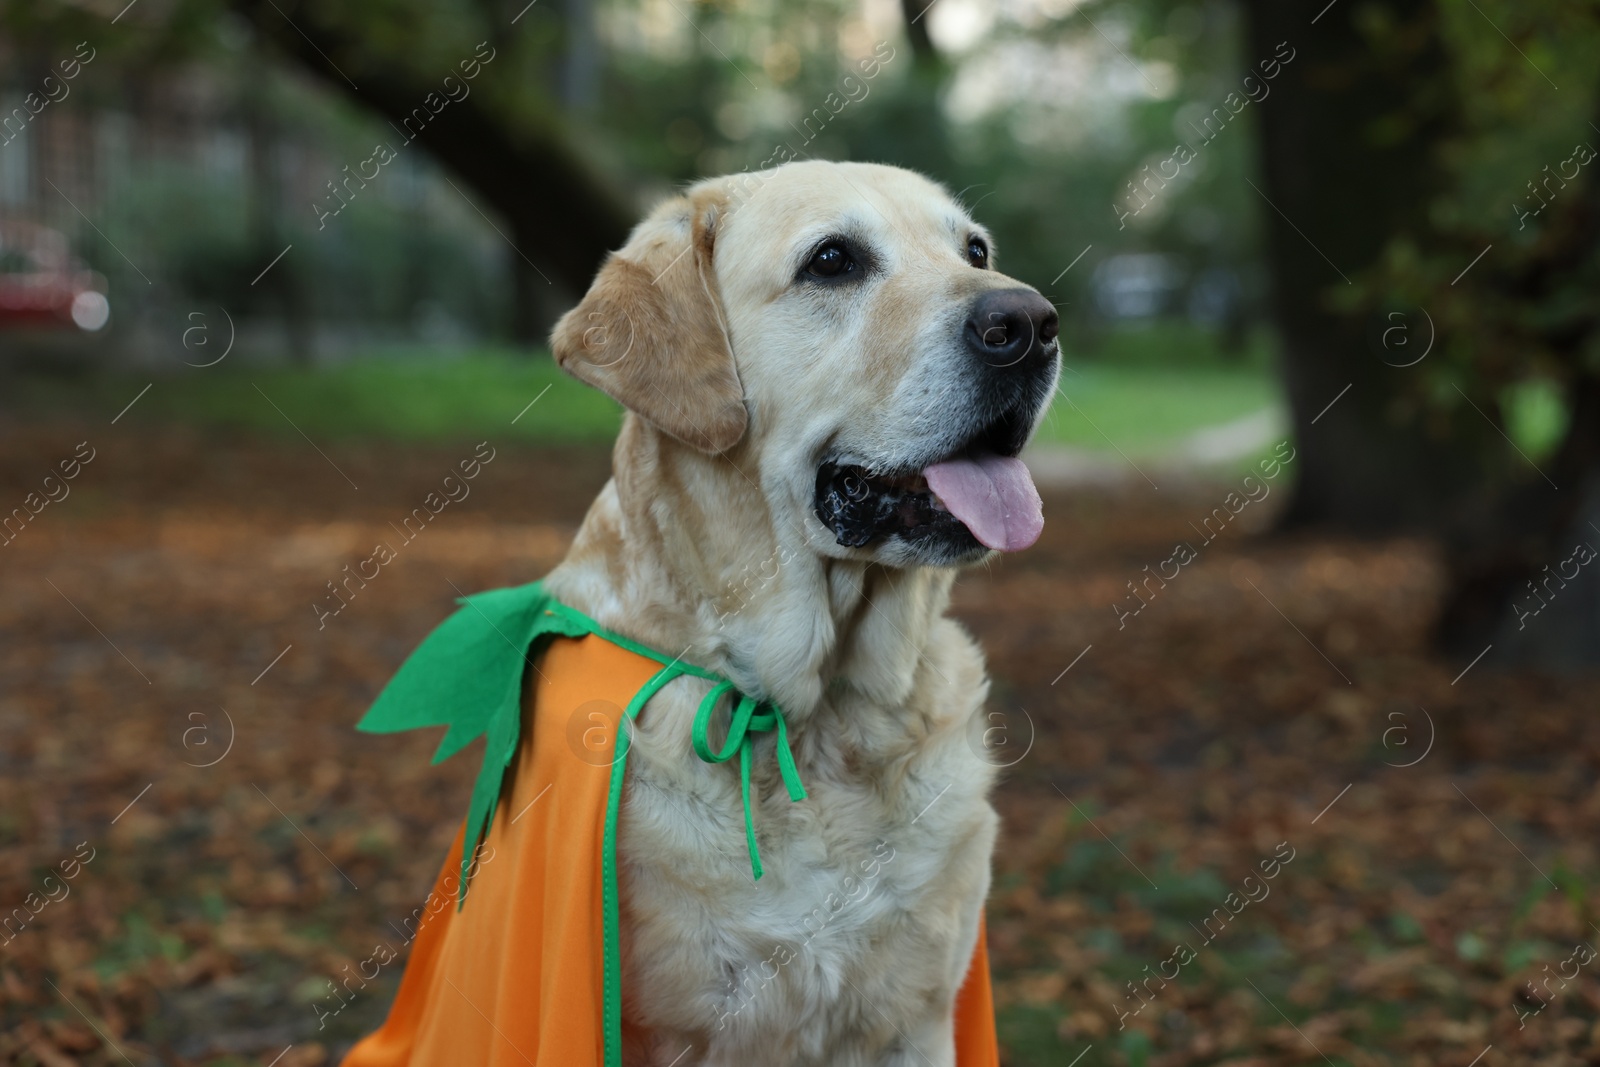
[1511, 579]
[923, 53]
[1348, 143]
[1514, 580]
[911, 130]
[563, 214]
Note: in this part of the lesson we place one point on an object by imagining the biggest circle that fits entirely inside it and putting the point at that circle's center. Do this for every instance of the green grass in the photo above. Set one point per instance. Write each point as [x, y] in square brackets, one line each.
[428, 396]
[1142, 408]
[1146, 388]
[405, 398]
[1143, 391]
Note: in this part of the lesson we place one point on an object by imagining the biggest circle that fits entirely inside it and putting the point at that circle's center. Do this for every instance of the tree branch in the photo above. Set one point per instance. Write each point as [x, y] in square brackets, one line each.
[563, 215]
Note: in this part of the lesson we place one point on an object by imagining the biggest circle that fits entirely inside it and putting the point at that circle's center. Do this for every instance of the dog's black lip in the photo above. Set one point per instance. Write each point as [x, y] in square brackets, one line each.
[1004, 435]
[859, 504]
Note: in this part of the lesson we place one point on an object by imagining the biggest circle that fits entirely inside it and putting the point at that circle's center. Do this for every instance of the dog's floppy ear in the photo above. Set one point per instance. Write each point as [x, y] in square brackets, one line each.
[650, 331]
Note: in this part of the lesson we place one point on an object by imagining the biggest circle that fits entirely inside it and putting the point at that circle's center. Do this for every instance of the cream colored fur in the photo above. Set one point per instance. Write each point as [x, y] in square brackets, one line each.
[850, 950]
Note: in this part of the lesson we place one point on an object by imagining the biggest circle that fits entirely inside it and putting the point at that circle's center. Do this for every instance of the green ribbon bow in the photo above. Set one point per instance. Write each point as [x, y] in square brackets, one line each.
[467, 676]
[747, 720]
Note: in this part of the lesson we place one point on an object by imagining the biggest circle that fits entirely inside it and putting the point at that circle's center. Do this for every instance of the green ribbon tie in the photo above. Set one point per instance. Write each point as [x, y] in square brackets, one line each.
[749, 717]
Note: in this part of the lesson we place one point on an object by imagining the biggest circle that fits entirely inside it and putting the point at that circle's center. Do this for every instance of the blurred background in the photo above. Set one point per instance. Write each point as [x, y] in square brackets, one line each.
[269, 270]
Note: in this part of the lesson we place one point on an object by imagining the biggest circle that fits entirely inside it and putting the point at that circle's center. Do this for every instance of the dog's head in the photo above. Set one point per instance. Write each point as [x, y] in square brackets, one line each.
[838, 331]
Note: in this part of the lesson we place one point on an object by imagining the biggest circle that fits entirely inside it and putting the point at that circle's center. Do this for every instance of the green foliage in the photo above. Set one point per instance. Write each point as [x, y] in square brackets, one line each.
[1536, 418]
[1517, 330]
[1049, 171]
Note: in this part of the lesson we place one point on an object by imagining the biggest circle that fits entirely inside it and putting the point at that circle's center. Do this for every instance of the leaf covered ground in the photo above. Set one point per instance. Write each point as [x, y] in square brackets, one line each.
[203, 851]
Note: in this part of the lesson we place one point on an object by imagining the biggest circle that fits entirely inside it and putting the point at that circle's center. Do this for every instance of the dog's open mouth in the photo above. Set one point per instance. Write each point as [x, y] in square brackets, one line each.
[981, 493]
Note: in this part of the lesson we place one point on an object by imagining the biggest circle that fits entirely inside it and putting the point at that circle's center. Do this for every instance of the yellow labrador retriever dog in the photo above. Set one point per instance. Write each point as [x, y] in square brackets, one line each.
[828, 385]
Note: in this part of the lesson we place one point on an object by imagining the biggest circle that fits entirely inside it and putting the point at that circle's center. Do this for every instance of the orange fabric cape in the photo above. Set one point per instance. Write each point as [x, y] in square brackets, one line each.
[517, 973]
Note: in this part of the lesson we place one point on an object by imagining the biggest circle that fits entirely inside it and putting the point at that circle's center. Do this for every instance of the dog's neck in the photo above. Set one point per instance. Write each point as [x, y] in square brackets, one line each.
[682, 552]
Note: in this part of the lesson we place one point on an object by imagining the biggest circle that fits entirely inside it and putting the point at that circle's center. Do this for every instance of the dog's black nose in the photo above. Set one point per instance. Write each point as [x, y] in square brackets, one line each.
[1011, 327]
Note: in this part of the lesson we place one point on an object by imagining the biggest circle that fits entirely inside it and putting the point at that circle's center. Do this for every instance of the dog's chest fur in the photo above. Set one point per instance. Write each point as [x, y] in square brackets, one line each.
[852, 945]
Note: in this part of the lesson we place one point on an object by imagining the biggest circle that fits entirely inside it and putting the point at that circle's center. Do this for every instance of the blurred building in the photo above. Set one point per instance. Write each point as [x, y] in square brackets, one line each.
[177, 188]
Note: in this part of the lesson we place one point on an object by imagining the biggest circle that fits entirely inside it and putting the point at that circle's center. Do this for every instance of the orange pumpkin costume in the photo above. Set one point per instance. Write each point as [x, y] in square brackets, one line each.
[526, 968]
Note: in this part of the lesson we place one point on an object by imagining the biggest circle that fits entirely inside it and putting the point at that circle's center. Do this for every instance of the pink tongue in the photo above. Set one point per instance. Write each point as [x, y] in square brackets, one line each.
[993, 496]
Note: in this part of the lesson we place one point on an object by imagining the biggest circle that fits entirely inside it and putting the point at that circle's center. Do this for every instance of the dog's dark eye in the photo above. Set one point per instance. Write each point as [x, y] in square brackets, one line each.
[832, 260]
[978, 253]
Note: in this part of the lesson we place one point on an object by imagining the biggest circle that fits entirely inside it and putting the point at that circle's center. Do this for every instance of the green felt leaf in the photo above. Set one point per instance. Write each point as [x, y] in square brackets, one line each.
[467, 677]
